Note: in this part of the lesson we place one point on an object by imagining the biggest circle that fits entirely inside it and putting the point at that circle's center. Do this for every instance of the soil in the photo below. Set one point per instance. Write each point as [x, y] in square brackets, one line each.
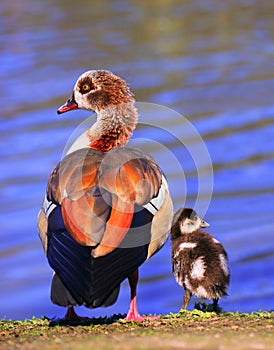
[185, 330]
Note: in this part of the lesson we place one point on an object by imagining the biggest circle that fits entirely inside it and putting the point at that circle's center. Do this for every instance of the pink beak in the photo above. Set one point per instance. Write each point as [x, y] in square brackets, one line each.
[68, 106]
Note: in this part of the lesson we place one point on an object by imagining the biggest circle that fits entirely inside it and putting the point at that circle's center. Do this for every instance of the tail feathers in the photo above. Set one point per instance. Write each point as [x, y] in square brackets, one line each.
[61, 296]
[93, 282]
[112, 298]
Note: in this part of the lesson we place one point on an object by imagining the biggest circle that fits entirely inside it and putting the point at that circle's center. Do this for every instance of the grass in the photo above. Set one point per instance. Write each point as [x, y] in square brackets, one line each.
[195, 329]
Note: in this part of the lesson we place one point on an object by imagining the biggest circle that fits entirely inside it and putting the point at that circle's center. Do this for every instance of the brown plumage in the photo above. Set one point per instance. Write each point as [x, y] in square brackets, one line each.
[107, 207]
[199, 261]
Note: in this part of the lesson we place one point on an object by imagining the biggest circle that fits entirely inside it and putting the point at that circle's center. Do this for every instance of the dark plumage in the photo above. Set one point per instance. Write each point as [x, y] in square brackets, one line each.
[199, 261]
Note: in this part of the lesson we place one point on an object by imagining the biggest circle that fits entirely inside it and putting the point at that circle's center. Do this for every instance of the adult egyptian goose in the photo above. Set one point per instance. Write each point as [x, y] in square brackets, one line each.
[199, 261]
[107, 207]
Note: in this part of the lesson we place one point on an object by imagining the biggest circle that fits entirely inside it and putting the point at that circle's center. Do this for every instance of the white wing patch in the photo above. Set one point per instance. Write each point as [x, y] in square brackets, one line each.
[182, 246]
[198, 268]
[155, 204]
[48, 206]
[187, 245]
[224, 264]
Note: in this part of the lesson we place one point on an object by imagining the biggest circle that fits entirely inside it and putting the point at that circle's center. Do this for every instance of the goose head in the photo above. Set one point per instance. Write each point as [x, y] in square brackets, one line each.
[96, 90]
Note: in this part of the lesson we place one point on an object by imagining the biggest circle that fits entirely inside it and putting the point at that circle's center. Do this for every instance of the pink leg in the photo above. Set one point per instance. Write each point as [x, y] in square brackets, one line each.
[133, 313]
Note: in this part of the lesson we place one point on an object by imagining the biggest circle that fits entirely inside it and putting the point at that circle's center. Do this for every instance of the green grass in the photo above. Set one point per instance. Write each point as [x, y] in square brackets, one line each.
[195, 329]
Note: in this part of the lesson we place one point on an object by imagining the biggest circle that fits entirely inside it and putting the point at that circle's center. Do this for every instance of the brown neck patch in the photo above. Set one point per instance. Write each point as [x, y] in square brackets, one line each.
[111, 139]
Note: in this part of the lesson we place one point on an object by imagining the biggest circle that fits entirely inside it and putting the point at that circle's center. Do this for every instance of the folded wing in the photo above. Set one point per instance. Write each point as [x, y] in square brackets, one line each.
[95, 225]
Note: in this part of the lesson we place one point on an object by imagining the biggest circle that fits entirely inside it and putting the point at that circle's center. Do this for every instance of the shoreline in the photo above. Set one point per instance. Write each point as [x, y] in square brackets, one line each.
[185, 330]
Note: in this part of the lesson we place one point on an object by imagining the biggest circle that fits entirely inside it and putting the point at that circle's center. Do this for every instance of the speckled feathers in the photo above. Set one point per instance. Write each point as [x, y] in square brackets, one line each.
[106, 89]
[199, 261]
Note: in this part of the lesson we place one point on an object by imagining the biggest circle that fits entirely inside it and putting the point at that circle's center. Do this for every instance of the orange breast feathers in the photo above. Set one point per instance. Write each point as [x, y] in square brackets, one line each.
[98, 191]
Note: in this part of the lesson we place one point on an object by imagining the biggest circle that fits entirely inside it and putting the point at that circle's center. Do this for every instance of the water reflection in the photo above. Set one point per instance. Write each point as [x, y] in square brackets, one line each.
[209, 60]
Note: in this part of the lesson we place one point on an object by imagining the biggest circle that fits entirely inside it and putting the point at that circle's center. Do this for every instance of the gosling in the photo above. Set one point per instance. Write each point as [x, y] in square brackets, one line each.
[199, 261]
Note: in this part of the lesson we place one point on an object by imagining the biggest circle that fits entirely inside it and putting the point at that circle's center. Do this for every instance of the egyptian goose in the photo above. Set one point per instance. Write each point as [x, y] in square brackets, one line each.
[199, 261]
[107, 207]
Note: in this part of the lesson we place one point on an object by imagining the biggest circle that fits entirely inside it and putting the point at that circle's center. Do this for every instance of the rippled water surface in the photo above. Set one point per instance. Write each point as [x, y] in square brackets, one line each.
[209, 61]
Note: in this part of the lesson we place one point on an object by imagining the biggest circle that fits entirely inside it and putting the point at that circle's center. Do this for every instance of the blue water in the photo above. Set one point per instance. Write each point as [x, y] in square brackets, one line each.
[211, 63]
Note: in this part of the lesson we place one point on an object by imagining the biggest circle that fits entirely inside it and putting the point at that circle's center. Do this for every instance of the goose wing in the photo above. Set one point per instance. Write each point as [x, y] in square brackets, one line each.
[98, 194]
[101, 219]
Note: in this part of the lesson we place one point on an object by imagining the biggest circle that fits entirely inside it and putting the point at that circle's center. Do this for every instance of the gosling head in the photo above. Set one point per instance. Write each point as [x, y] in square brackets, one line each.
[186, 220]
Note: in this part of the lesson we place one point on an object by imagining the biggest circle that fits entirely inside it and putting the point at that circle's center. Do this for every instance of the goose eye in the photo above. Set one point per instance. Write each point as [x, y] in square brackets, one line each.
[86, 88]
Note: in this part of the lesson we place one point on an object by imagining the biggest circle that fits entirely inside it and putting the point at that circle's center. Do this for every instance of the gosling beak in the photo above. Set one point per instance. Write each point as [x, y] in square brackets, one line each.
[204, 224]
[68, 106]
